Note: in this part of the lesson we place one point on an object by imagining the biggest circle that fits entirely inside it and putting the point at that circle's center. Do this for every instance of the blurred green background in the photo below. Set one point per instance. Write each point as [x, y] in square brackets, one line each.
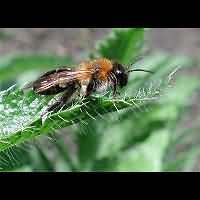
[160, 137]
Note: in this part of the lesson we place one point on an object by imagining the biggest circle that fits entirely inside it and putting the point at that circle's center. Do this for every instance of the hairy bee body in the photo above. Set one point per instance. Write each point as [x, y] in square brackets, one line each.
[86, 78]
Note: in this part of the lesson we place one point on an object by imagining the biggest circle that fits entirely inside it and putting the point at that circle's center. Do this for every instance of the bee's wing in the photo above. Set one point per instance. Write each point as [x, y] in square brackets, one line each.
[50, 82]
[46, 76]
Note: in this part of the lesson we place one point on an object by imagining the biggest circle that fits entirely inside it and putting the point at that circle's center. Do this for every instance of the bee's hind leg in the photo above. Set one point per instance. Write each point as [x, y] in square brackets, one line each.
[62, 101]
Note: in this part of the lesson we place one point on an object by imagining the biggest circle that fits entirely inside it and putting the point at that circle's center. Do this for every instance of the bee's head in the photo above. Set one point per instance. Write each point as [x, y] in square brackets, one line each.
[121, 73]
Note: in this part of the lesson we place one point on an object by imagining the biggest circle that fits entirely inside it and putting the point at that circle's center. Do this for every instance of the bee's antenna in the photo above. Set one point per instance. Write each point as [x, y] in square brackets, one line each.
[141, 70]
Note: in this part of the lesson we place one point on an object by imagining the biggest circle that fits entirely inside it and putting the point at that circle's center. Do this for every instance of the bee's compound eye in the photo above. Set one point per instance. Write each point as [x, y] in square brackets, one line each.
[120, 74]
[123, 79]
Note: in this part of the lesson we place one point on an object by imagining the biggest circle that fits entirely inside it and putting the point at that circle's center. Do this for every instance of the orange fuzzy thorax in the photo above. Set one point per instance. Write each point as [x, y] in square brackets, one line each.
[105, 66]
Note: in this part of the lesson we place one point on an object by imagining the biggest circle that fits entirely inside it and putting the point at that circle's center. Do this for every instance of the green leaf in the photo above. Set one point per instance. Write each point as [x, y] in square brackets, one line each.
[20, 118]
[14, 158]
[123, 44]
[66, 161]
[144, 157]
[13, 66]
[87, 144]
[40, 160]
[4, 36]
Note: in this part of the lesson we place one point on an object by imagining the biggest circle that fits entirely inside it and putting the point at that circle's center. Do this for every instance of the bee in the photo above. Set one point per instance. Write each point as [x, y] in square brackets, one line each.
[88, 77]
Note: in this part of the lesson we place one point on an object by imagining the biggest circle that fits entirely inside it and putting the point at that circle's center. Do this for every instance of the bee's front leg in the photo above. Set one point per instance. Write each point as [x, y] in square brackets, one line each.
[114, 89]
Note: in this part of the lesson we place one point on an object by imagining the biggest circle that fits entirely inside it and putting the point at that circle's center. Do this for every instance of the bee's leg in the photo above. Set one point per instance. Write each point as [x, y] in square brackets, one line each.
[90, 88]
[87, 88]
[114, 88]
[63, 99]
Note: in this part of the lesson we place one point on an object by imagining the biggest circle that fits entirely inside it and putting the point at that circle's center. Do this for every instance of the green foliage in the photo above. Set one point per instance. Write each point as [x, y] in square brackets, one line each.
[4, 36]
[137, 131]
[16, 67]
[122, 45]
[21, 115]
